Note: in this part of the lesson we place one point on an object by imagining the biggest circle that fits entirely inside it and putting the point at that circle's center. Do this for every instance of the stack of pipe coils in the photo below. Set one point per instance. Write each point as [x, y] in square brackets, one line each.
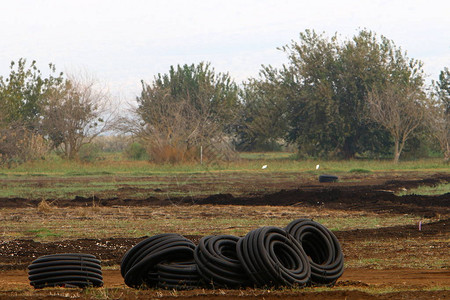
[303, 253]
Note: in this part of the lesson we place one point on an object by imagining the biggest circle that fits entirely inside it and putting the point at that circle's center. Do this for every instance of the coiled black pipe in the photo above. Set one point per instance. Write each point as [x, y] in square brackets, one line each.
[65, 270]
[323, 249]
[145, 265]
[272, 257]
[218, 263]
[178, 276]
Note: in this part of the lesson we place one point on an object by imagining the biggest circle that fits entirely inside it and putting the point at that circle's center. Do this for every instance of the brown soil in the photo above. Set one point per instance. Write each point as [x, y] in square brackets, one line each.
[374, 196]
[370, 194]
[353, 278]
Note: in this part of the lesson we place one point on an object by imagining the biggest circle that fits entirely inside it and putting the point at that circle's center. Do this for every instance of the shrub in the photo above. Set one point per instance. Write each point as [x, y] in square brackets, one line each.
[18, 145]
[135, 151]
[171, 154]
[89, 153]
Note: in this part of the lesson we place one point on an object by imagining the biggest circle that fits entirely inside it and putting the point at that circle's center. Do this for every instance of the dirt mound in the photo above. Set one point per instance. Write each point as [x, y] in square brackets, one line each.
[369, 196]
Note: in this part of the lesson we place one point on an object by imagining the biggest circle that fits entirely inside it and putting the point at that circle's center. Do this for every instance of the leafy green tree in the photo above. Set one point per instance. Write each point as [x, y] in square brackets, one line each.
[24, 92]
[326, 84]
[263, 120]
[188, 108]
[22, 95]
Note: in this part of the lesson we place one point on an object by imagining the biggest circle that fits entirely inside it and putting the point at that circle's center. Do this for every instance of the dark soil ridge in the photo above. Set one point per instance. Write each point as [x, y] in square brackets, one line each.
[379, 197]
[18, 254]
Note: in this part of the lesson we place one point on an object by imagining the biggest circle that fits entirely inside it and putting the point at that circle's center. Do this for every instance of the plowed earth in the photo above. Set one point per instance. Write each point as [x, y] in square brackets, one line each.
[373, 196]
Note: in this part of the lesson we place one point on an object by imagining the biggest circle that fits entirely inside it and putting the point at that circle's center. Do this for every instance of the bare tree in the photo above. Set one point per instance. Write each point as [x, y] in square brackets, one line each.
[77, 113]
[438, 123]
[399, 109]
[437, 117]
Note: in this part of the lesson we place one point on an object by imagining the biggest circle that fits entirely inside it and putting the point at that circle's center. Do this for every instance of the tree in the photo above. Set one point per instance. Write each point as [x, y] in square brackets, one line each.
[437, 117]
[326, 84]
[77, 113]
[313, 110]
[22, 95]
[24, 92]
[188, 108]
[399, 109]
[263, 116]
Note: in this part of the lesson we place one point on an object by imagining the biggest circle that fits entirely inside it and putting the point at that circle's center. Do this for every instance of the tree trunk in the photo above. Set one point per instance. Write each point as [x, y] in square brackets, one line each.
[348, 150]
[396, 152]
[447, 154]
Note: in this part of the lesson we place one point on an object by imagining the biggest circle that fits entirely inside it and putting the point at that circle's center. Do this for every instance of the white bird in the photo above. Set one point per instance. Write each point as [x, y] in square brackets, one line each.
[317, 167]
[264, 167]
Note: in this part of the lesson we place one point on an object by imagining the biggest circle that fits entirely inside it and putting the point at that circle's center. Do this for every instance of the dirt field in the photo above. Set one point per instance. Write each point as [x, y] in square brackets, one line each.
[381, 262]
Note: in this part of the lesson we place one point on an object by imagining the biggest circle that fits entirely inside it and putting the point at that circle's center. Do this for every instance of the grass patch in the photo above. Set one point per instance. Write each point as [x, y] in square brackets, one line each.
[42, 233]
[77, 222]
[427, 190]
[359, 170]
[267, 155]
[86, 173]
[55, 178]
[250, 162]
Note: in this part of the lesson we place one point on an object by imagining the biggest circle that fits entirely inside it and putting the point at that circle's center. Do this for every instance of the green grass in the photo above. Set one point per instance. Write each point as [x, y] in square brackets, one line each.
[267, 155]
[359, 170]
[63, 179]
[366, 222]
[41, 233]
[427, 190]
[250, 162]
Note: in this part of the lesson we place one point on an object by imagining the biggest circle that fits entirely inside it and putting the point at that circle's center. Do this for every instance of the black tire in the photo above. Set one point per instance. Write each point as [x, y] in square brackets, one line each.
[328, 178]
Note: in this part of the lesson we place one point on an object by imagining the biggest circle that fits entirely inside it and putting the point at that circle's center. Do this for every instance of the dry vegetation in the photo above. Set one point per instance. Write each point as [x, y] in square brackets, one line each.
[50, 223]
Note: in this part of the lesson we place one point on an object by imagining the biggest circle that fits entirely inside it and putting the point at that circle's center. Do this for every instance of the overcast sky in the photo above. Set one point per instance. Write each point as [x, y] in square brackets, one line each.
[122, 42]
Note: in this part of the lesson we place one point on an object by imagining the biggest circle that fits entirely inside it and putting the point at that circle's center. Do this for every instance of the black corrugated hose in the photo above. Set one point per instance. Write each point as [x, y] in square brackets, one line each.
[65, 270]
[272, 257]
[323, 249]
[164, 260]
[304, 253]
[217, 262]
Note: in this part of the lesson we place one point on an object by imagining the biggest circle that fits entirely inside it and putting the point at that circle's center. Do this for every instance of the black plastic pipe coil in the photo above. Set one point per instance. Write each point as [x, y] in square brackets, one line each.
[164, 260]
[304, 253]
[218, 263]
[65, 270]
[272, 257]
[323, 249]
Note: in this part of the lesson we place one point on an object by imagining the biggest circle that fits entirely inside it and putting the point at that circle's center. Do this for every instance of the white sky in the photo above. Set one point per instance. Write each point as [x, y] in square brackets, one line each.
[120, 42]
